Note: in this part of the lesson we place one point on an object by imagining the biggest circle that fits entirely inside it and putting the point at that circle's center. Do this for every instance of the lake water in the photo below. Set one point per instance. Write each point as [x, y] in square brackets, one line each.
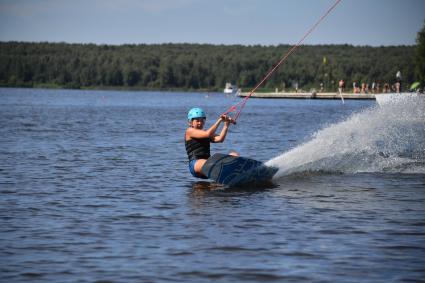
[94, 187]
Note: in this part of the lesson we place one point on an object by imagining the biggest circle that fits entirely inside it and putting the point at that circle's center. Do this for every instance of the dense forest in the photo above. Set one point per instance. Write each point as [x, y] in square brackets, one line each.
[198, 66]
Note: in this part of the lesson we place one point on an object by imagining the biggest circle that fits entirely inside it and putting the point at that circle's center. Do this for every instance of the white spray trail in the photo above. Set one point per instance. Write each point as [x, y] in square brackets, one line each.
[388, 139]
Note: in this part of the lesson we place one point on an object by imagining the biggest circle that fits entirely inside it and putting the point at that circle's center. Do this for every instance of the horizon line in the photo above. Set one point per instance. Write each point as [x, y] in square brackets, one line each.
[203, 43]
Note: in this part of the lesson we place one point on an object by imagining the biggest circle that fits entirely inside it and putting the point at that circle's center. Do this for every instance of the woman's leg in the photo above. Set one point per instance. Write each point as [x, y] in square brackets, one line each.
[198, 166]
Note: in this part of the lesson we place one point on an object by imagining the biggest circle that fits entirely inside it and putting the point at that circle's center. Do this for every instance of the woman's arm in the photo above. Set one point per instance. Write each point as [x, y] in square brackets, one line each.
[202, 134]
[223, 133]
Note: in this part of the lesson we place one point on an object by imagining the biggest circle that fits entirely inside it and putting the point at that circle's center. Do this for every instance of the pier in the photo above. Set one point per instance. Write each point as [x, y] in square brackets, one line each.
[309, 95]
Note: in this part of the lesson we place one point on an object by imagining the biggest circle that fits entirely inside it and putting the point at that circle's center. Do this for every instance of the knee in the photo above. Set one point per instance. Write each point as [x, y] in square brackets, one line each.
[233, 153]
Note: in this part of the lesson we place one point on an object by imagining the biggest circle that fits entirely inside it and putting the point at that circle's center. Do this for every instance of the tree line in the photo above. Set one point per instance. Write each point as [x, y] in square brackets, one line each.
[198, 66]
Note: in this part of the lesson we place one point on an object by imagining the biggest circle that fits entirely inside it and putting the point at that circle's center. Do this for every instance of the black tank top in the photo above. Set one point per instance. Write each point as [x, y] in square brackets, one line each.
[198, 148]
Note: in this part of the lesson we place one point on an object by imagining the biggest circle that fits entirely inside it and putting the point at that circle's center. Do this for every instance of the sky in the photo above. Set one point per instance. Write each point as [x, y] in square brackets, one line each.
[247, 22]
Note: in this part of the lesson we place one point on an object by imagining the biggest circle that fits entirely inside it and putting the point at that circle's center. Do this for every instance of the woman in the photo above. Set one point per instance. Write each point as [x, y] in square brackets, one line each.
[197, 140]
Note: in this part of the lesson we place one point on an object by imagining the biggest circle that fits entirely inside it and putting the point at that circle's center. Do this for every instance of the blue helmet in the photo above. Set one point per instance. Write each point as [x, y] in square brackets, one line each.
[196, 113]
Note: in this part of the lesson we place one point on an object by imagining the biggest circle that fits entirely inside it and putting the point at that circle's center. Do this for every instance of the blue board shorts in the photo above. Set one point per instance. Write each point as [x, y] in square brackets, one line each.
[192, 170]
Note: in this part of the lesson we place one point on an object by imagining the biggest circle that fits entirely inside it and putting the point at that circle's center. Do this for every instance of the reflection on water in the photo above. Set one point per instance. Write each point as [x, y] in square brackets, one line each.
[206, 185]
[256, 186]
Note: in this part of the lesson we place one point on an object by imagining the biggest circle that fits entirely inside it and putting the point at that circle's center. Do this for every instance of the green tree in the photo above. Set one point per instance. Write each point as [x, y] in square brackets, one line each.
[203, 66]
[420, 55]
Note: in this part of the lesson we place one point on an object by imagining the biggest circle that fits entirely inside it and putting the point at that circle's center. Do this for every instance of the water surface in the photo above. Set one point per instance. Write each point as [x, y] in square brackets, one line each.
[94, 186]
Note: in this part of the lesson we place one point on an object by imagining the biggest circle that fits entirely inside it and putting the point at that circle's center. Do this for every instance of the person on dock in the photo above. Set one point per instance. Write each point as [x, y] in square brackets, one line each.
[398, 82]
[363, 88]
[355, 88]
[387, 88]
[198, 140]
[397, 87]
[341, 86]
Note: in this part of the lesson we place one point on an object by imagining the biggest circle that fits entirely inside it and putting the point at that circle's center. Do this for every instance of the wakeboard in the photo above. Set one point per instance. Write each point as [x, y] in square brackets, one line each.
[235, 170]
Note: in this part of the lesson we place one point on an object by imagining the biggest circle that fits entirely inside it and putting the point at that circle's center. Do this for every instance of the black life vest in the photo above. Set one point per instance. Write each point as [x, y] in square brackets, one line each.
[198, 148]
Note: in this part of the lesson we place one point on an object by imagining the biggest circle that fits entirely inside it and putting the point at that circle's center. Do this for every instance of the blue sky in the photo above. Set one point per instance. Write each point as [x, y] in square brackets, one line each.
[248, 22]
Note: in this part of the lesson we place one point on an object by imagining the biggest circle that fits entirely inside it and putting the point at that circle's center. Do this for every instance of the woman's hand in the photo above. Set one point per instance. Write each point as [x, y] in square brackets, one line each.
[228, 119]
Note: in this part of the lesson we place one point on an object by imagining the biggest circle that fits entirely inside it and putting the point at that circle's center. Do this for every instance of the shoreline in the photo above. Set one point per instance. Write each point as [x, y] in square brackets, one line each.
[261, 95]
[310, 95]
[113, 88]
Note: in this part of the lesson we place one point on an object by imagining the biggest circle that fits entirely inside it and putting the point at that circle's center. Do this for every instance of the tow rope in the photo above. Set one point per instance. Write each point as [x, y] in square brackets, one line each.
[241, 104]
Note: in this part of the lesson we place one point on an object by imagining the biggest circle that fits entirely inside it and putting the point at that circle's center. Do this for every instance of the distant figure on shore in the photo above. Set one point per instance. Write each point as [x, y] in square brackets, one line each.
[373, 89]
[341, 86]
[354, 87]
[363, 88]
[321, 87]
[398, 82]
[386, 88]
[397, 87]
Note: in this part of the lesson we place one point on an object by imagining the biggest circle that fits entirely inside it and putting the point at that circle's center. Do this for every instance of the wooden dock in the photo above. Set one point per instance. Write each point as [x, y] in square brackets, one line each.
[309, 95]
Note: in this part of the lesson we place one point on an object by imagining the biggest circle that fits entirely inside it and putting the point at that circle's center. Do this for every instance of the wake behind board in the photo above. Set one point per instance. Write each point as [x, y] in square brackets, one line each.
[235, 170]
